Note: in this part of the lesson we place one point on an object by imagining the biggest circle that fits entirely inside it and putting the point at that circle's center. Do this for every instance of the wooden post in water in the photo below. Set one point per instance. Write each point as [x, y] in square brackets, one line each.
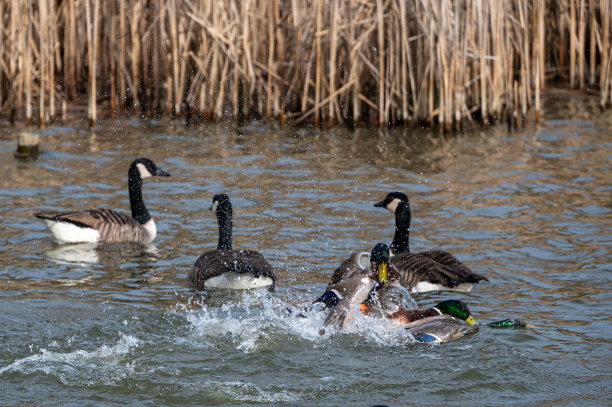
[27, 145]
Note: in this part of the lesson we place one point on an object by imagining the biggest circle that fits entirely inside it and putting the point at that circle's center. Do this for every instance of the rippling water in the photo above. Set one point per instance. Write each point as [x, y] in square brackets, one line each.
[117, 324]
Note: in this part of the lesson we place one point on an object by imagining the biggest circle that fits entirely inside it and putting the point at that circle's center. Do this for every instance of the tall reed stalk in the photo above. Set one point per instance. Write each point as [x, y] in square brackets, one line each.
[378, 62]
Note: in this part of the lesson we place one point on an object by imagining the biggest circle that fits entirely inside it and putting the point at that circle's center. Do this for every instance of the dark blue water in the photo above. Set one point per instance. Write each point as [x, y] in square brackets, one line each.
[117, 325]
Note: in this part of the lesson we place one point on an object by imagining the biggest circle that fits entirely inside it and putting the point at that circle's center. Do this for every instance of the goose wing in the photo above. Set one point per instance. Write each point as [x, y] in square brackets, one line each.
[414, 268]
[112, 226]
[216, 262]
[90, 218]
[461, 271]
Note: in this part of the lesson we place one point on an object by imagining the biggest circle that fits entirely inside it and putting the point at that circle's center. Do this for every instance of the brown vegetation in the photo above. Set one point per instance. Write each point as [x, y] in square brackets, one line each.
[327, 61]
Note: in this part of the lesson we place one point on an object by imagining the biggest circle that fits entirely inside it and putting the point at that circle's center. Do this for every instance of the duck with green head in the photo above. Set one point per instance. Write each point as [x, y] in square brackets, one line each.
[441, 323]
[359, 285]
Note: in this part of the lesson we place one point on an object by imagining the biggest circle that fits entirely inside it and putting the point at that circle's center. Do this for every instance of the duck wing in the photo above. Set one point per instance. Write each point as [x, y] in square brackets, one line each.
[351, 292]
[405, 317]
[442, 328]
[356, 264]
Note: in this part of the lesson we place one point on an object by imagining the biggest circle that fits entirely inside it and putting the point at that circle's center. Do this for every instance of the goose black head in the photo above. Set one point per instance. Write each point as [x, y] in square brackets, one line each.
[147, 168]
[392, 200]
[379, 258]
[221, 204]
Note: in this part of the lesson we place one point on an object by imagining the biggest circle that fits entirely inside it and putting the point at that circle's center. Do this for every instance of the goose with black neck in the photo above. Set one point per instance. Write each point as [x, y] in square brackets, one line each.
[225, 267]
[106, 225]
[424, 271]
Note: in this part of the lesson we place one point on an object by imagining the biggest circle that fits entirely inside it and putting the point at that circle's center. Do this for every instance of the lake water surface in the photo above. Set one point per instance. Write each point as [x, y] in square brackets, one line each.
[117, 324]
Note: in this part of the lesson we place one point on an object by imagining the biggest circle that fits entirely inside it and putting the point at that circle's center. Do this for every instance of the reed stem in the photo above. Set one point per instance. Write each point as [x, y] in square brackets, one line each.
[377, 62]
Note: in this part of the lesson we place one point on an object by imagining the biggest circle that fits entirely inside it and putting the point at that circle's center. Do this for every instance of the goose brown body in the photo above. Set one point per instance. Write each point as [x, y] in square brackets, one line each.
[225, 267]
[112, 226]
[107, 225]
[217, 262]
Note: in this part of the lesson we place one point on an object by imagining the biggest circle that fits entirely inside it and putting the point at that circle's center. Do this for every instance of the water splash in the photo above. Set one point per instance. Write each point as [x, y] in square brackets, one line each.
[260, 322]
[103, 365]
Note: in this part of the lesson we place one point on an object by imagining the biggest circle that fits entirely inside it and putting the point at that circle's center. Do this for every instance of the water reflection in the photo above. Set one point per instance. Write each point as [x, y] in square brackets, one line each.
[81, 253]
[84, 254]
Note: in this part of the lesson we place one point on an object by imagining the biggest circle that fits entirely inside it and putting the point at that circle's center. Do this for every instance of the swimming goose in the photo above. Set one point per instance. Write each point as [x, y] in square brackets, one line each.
[227, 268]
[106, 225]
[424, 271]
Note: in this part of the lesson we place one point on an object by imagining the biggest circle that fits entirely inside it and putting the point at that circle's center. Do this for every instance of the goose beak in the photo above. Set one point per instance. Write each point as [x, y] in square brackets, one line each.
[382, 273]
[380, 204]
[470, 320]
[161, 173]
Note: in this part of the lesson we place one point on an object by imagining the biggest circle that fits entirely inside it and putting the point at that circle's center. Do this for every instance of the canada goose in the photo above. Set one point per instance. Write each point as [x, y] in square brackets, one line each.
[424, 271]
[227, 268]
[106, 225]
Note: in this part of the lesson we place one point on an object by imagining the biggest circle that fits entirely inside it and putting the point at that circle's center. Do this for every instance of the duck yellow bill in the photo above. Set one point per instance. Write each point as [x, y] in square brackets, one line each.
[470, 320]
[382, 272]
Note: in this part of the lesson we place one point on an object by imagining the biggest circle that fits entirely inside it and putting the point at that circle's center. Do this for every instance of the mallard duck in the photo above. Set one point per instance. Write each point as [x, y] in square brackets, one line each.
[227, 268]
[441, 323]
[366, 289]
[106, 225]
[424, 271]
[358, 283]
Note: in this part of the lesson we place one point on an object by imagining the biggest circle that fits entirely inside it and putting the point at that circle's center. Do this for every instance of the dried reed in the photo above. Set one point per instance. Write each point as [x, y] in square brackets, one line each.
[377, 62]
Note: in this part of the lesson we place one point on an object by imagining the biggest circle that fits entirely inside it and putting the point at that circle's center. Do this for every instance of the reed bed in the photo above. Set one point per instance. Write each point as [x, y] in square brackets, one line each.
[384, 62]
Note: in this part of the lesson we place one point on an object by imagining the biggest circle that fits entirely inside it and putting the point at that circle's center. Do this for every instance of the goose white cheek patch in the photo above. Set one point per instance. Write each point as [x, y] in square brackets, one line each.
[144, 173]
[392, 206]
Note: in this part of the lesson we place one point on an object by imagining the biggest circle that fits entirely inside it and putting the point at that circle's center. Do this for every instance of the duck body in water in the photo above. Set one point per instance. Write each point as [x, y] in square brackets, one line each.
[367, 289]
[448, 320]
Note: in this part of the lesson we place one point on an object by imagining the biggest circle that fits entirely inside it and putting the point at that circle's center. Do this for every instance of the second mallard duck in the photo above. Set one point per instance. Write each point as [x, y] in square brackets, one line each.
[442, 323]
